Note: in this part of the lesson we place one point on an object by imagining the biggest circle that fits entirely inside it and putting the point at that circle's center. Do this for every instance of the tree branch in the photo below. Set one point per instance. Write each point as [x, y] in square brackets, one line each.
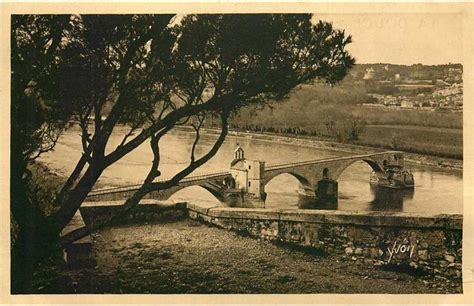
[196, 139]
[154, 170]
[170, 119]
[147, 187]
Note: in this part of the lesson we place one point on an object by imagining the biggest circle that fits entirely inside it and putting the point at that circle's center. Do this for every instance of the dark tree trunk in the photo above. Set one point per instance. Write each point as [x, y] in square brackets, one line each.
[33, 246]
[74, 198]
[35, 241]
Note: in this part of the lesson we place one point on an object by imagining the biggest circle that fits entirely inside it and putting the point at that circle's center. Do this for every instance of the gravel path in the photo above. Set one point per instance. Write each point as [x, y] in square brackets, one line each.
[189, 257]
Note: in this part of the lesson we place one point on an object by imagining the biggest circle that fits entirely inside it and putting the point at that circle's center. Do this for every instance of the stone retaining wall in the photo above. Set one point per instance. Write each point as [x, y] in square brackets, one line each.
[429, 244]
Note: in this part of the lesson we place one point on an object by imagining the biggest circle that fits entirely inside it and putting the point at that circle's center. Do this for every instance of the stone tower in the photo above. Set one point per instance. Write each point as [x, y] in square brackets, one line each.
[248, 176]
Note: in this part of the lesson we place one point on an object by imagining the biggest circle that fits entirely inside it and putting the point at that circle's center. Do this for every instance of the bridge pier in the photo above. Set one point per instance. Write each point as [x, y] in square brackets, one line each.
[251, 201]
[323, 196]
[239, 198]
[327, 193]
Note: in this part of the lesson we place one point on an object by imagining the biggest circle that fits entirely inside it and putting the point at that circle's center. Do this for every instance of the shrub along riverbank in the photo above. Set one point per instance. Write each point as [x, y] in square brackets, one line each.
[44, 186]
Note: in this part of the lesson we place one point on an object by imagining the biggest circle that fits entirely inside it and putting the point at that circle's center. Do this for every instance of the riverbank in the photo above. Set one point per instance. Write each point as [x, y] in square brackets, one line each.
[186, 256]
[315, 142]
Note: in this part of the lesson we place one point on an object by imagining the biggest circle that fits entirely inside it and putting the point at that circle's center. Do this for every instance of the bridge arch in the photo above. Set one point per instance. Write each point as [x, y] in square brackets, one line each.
[216, 194]
[303, 181]
[374, 165]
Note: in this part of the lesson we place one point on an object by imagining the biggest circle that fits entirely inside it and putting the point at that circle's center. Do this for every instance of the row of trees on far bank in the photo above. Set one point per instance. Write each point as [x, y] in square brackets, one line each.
[312, 109]
[342, 130]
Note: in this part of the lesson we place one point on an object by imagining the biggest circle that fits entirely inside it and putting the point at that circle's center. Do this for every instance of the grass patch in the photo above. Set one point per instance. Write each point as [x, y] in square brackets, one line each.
[424, 141]
[387, 116]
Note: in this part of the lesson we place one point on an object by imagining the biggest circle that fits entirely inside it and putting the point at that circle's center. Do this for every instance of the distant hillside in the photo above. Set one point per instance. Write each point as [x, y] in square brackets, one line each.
[416, 72]
[319, 110]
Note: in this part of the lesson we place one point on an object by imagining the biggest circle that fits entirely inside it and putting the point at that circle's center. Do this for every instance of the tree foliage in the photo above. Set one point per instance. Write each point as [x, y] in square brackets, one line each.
[344, 129]
[152, 73]
[37, 118]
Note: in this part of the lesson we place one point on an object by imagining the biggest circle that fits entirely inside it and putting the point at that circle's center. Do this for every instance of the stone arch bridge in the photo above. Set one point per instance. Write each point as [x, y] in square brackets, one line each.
[214, 183]
[244, 185]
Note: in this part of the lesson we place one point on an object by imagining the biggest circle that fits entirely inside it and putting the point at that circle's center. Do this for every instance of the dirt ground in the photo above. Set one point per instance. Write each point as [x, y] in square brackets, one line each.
[188, 257]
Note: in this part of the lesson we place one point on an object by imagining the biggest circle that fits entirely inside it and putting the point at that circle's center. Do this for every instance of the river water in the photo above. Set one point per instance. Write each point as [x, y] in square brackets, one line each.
[436, 190]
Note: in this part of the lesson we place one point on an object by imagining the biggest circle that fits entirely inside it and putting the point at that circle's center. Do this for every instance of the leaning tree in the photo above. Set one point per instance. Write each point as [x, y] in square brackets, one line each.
[151, 73]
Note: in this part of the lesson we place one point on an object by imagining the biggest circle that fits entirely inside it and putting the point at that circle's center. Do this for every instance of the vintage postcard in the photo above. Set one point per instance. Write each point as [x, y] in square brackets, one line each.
[236, 152]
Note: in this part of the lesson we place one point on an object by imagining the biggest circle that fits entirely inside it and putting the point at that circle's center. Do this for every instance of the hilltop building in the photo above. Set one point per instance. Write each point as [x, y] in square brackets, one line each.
[369, 74]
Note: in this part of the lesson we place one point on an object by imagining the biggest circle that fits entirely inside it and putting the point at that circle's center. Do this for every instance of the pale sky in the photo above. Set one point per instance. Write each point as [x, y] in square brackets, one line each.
[402, 38]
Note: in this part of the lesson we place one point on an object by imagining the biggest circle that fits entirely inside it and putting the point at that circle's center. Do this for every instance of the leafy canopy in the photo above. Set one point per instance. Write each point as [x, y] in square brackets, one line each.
[153, 74]
[257, 57]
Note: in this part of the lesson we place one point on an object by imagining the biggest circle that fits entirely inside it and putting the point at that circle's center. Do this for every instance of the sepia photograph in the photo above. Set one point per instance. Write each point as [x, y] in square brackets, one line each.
[215, 152]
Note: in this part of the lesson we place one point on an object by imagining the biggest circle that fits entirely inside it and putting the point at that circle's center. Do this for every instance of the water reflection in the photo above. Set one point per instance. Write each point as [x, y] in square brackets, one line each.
[386, 199]
[312, 203]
